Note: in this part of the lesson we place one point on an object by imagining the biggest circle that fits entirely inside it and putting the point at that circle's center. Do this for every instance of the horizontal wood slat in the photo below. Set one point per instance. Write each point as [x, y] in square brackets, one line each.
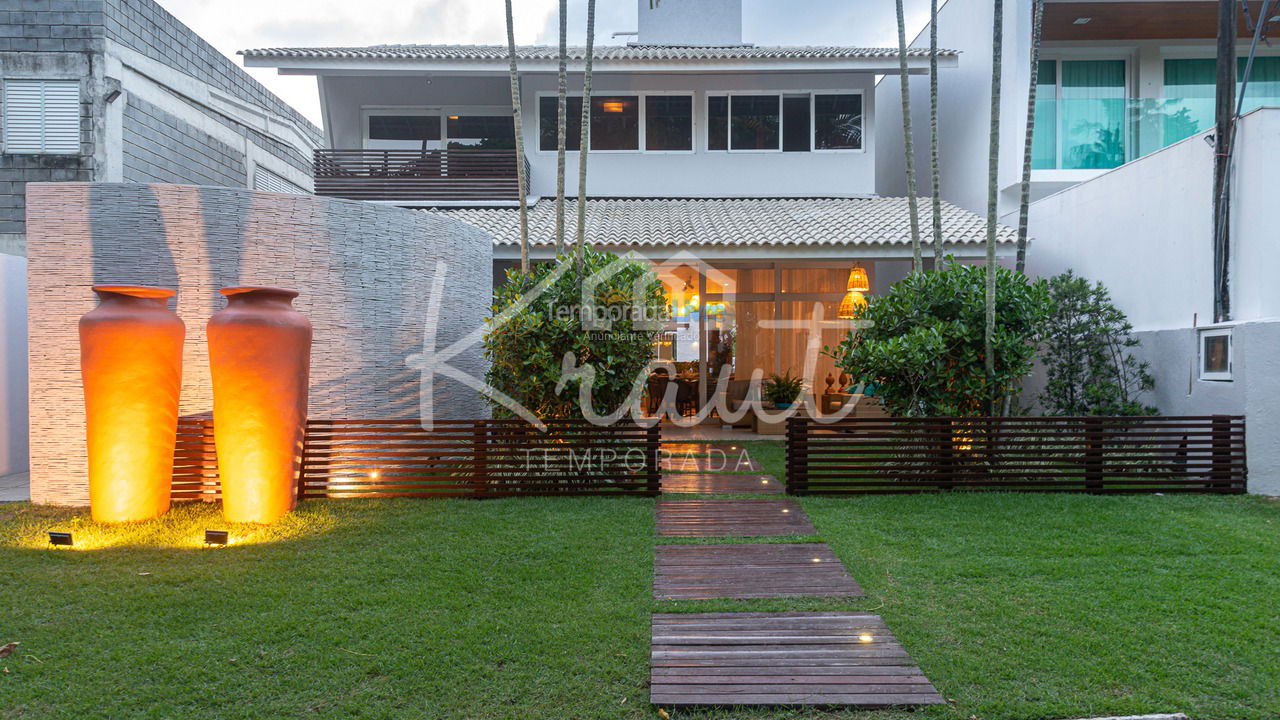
[456, 458]
[418, 175]
[1059, 454]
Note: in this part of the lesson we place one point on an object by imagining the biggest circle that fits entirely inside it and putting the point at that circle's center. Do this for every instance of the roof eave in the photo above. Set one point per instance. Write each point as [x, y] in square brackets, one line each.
[339, 65]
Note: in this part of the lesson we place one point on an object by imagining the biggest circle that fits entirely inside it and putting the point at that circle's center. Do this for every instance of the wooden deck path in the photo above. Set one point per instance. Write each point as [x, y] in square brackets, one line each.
[696, 448]
[719, 483]
[834, 658]
[702, 572]
[715, 462]
[731, 518]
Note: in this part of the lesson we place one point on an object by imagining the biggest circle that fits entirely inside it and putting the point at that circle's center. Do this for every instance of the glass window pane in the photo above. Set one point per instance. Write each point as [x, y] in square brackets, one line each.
[1093, 105]
[1189, 89]
[615, 123]
[802, 350]
[717, 122]
[480, 131]
[754, 122]
[740, 281]
[816, 280]
[547, 123]
[1216, 348]
[1044, 143]
[668, 122]
[837, 122]
[404, 127]
[795, 123]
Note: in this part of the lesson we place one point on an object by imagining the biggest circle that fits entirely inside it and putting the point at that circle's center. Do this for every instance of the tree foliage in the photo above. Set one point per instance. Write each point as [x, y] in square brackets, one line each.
[1087, 342]
[924, 344]
[527, 351]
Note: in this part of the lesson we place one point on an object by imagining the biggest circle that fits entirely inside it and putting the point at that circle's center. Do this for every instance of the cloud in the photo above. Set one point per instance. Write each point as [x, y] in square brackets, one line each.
[231, 25]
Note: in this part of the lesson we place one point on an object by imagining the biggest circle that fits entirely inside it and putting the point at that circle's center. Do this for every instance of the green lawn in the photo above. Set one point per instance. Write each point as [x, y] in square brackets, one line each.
[1017, 606]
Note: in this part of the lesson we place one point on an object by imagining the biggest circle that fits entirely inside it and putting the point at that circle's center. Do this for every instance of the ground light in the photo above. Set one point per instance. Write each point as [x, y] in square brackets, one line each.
[216, 537]
[60, 539]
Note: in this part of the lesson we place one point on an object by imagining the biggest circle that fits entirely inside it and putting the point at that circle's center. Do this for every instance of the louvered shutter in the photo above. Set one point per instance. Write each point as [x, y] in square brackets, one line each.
[41, 116]
[271, 182]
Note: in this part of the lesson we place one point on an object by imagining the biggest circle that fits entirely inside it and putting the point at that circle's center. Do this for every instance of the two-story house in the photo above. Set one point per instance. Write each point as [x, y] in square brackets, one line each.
[747, 172]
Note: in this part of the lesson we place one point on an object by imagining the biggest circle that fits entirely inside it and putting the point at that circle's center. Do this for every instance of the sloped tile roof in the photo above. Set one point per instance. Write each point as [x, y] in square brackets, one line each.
[734, 222]
[578, 53]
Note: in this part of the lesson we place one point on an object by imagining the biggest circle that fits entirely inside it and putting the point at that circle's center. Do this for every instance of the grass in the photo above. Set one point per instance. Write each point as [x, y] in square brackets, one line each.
[1016, 606]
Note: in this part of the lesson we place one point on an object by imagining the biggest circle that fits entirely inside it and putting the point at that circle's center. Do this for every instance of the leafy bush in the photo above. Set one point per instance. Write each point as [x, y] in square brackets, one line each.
[527, 352]
[924, 344]
[1086, 344]
[782, 388]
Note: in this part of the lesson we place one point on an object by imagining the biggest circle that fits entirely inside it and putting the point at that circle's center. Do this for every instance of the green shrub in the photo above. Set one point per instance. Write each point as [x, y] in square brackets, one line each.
[527, 352]
[782, 388]
[1086, 344]
[923, 341]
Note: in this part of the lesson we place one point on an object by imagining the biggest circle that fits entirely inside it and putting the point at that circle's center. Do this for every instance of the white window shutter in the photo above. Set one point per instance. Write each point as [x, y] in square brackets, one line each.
[264, 179]
[41, 116]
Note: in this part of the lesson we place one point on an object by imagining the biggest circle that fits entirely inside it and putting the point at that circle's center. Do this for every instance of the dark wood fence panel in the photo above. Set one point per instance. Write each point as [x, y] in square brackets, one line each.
[195, 463]
[453, 174]
[1080, 454]
[456, 458]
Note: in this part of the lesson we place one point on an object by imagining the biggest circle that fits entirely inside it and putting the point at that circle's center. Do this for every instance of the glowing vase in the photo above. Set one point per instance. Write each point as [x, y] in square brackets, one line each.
[131, 364]
[260, 359]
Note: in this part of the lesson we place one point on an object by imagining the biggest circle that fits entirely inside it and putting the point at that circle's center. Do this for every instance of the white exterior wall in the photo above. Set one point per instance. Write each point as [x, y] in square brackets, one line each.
[964, 102]
[13, 364]
[634, 174]
[689, 22]
[1145, 231]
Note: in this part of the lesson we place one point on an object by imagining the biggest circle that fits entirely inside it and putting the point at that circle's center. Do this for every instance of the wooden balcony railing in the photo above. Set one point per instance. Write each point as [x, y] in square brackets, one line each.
[452, 175]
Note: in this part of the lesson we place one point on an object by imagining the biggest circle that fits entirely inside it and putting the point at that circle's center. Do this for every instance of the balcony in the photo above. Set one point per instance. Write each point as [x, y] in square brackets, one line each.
[1100, 134]
[420, 177]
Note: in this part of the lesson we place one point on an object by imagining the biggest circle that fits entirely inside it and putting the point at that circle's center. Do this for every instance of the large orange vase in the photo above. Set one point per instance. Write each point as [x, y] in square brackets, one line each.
[260, 358]
[131, 363]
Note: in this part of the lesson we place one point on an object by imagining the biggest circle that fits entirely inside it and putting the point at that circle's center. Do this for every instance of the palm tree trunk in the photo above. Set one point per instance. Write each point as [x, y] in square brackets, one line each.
[917, 264]
[586, 126]
[561, 120]
[933, 136]
[521, 180]
[993, 170]
[1025, 200]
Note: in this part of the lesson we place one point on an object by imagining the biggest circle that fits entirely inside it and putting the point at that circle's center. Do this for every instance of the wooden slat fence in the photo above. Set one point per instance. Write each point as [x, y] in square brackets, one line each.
[456, 458]
[452, 174]
[1063, 454]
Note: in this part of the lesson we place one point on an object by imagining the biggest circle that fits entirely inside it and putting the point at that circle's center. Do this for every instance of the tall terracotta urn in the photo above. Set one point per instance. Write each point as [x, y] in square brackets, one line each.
[131, 363]
[260, 360]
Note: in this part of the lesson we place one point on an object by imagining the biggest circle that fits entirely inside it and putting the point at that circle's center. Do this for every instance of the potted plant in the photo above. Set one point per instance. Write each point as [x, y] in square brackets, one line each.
[782, 390]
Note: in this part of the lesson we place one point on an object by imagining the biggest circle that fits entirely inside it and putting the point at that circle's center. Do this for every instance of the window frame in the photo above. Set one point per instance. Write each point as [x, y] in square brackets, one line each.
[1205, 333]
[811, 92]
[642, 124]
[644, 121]
[444, 111]
[1130, 83]
[43, 149]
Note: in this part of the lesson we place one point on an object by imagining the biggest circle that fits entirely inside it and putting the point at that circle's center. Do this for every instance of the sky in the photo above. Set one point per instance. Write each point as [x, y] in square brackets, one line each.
[231, 25]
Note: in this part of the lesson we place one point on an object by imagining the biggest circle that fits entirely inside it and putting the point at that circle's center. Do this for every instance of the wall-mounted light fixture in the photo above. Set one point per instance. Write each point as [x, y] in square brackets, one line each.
[111, 96]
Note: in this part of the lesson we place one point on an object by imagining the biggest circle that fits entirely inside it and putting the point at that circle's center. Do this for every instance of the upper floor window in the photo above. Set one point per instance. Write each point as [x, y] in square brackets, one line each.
[668, 123]
[790, 123]
[41, 116]
[404, 132]
[1080, 115]
[477, 127]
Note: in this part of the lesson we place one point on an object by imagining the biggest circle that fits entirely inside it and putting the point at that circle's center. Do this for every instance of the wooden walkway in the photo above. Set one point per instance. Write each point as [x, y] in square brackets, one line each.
[833, 658]
[732, 518]
[782, 659]
[701, 572]
[719, 484]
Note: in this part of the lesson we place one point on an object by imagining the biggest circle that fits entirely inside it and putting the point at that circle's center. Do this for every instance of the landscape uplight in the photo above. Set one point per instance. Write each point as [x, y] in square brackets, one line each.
[216, 537]
[61, 539]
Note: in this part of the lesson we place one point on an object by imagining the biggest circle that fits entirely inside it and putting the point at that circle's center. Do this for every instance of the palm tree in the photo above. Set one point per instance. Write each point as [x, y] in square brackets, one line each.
[1037, 19]
[908, 146]
[933, 134]
[521, 180]
[586, 124]
[561, 118]
[993, 168]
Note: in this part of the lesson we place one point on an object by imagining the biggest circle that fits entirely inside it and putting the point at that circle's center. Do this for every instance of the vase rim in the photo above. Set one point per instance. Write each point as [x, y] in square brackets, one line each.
[138, 291]
[264, 289]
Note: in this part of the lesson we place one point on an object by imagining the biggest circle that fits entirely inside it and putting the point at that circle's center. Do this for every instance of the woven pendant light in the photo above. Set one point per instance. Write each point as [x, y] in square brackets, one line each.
[858, 280]
[853, 301]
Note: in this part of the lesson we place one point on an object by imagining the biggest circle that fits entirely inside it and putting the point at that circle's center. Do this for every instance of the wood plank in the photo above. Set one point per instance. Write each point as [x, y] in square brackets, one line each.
[716, 483]
[701, 572]
[731, 518]
[832, 659]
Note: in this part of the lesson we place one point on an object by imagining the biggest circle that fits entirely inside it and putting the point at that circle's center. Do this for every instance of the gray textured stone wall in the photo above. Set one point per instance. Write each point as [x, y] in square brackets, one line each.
[150, 137]
[364, 271]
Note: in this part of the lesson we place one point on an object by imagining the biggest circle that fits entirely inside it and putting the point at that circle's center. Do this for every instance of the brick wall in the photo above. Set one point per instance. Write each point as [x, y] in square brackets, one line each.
[150, 137]
[364, 272]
